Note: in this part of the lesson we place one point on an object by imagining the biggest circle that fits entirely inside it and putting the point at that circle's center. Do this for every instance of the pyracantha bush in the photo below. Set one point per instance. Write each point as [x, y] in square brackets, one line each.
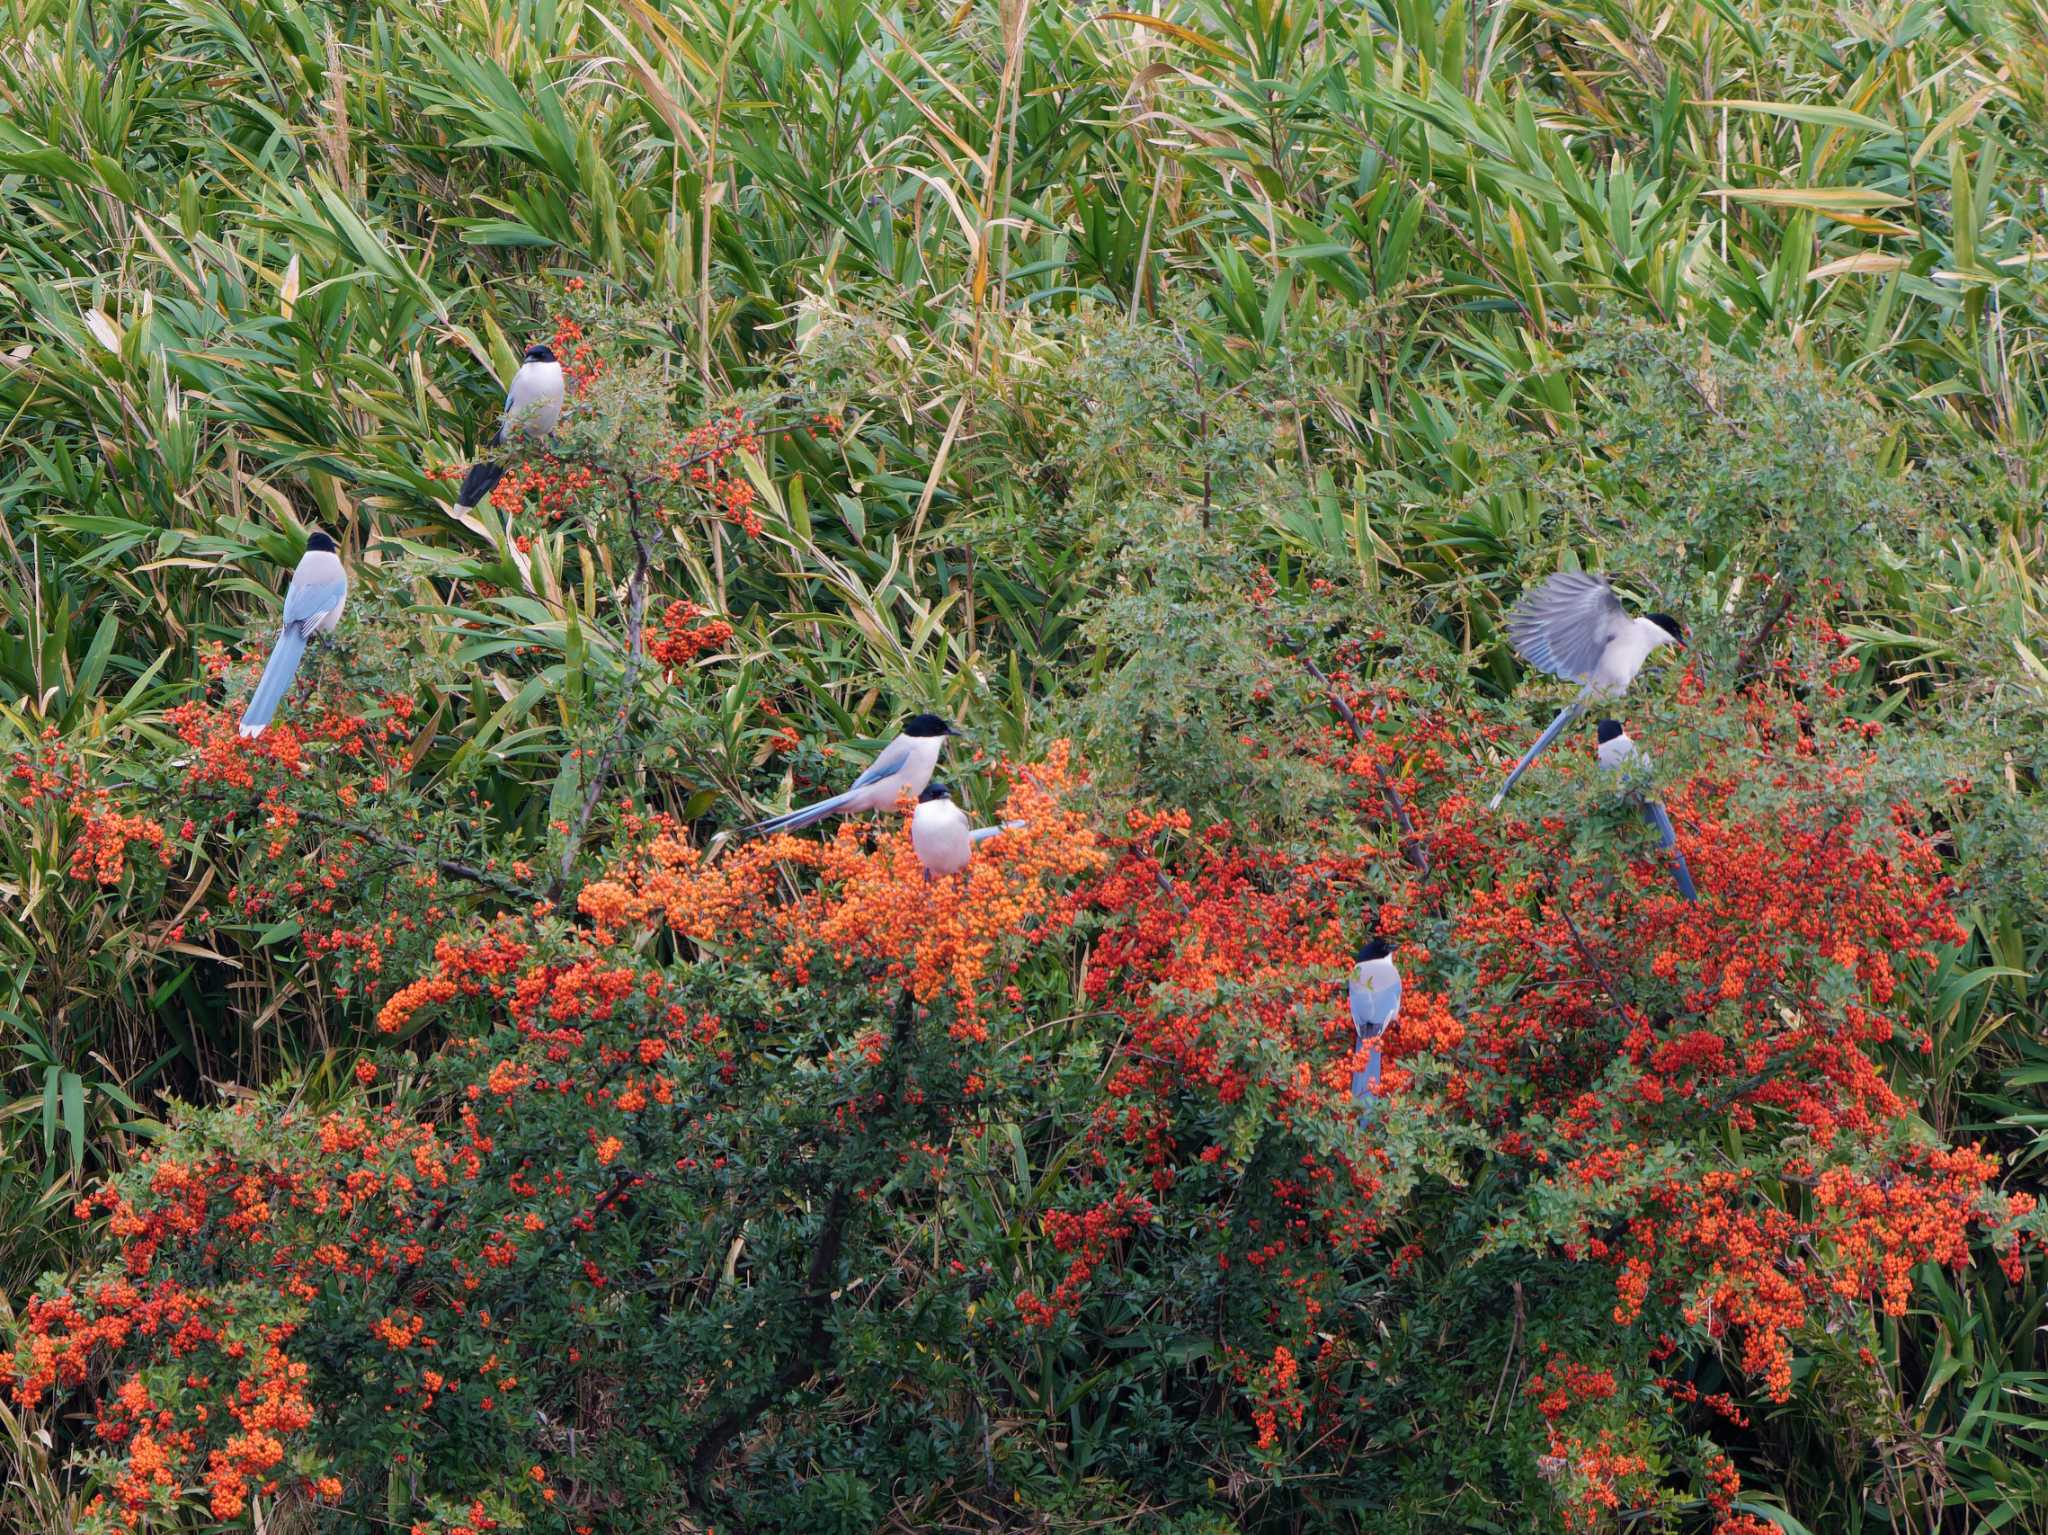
[608, 1229]
[747, 1186]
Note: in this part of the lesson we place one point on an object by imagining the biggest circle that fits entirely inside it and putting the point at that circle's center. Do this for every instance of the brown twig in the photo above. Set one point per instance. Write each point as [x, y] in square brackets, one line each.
[815, 1351]
[1173, 891]
[1752, 649]
[636, 647]
[1187, 358]
[1411, 840]
[636, 651]
[455, 868]
[1514, 1341]
[800, 1366]
[1564, 908]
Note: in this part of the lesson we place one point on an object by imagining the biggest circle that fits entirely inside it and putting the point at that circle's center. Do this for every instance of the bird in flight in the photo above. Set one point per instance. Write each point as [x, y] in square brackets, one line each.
[312, 605]
[1375, 1003]
[902, 767]
[940, 833]
[533, 404]
[1616, 749]
[1574, 627]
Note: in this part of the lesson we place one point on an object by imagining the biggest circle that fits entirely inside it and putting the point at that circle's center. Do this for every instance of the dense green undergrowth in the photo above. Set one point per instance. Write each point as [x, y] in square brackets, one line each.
[1099, 370]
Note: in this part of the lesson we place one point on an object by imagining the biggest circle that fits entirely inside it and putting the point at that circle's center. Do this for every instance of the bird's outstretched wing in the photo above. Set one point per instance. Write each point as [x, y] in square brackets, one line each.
[312, 598]
[1374, 1007]
[889, 763]
[1563, 625]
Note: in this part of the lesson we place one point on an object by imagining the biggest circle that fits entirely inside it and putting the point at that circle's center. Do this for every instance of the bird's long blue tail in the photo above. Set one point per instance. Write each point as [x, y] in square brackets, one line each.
[797, 820]
[276, 681]
[1571, 712]
[1667, 838]
[481, 480]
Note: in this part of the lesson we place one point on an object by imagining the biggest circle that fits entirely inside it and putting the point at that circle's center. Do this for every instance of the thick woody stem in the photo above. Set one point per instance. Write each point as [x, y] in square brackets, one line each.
[814, 1352]
[455, 868]
[1411, 840]
[1753, 649]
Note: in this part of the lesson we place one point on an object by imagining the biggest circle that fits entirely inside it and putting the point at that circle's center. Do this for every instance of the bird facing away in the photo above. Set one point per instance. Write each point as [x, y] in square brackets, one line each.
[312, 605]
[940, 833]
[1375, 1003]
[904, 766]
[1616, 749]
[533, 404]
[1574, 627]
[1616, 745]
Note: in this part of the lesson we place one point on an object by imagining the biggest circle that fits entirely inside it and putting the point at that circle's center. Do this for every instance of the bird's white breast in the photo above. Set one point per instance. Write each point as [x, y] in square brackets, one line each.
[1624, 657]
[534, 402]
[1617, 751]
[940, 835]
[924, 760]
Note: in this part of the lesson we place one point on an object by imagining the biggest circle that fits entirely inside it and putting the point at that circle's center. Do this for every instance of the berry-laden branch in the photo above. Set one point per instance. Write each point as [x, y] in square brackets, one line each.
[1562, 903]
[493, 1267]
[1753, 648]
[636, 644]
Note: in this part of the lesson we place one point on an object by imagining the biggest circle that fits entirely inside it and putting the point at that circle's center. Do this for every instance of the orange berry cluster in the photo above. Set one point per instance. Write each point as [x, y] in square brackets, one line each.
[1600, 1022]
[703, 458]
[53, 777]
[686, 632]
[879, 908]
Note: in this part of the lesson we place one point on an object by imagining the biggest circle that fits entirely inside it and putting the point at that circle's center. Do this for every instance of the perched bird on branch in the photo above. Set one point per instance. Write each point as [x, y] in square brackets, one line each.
[533, 405]
[1616, 749]
[902, 767]
[1375, 1004]
[312, 605]
[941, 834]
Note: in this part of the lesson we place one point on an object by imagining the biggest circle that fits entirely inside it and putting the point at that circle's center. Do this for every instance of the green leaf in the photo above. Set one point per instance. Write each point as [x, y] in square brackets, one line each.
[1804, 112]
[74, 1117]
[52, 1077]
[504, 232]
[91, 667]
[567, 796]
